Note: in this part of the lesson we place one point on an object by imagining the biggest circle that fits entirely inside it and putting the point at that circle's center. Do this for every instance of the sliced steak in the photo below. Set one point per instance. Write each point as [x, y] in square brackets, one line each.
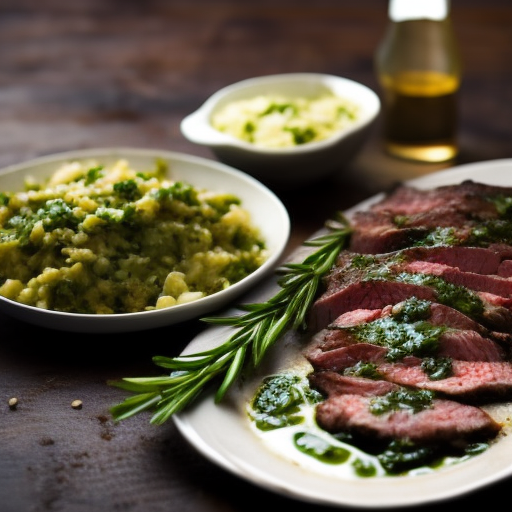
[350, 268]
[407, 215]
[378, 232]
[469, 197]
[446, 421]
[343, 357]
[359, 316]
[424, 295]
[474, 381]
[495, 285]
[505, 268]
[363, 295]
[480, 260]
[457, 344]
[433, 312]
[374, 294]
[332, 383]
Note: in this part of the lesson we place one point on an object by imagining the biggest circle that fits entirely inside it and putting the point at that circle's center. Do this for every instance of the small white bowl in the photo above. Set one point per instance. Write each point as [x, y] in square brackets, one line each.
[290, 166]
[266, 210]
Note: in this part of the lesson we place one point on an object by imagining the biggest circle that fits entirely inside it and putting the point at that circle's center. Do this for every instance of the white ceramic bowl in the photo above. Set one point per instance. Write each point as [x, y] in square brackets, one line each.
[267, 212]
[290, 166]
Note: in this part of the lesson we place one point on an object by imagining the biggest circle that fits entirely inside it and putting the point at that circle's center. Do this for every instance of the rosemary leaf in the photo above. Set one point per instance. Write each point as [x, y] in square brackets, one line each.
[277, 328]
[134, 405]
[232, 373]
[256, 329]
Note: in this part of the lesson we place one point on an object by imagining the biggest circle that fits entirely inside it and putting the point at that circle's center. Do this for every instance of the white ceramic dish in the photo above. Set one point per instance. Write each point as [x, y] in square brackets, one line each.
[267, 212]
[297, 165]
[222, 432]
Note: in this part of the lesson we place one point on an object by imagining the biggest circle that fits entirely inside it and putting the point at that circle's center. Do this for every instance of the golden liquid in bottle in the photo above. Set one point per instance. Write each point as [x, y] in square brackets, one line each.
[420, 115]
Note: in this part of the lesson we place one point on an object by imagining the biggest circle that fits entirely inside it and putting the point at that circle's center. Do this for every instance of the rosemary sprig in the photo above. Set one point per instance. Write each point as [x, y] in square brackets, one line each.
[256, 331]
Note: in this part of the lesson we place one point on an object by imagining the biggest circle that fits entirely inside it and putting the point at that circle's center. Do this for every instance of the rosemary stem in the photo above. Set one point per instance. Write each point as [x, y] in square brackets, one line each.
[255, 332]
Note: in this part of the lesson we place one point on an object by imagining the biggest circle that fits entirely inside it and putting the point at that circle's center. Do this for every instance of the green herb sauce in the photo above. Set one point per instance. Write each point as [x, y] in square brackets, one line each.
[363, 369]
[286, 403]
[319, 448]
[402, 339]
[403, 399]
[278, 402]
[405, 332]
[457, 297]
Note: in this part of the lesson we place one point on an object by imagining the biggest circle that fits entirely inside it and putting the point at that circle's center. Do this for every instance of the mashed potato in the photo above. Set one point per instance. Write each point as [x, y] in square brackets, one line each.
[279, 122]
[109, 239]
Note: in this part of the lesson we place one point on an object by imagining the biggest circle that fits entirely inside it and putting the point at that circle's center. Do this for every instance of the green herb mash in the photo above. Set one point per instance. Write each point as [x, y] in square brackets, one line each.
[109, 239]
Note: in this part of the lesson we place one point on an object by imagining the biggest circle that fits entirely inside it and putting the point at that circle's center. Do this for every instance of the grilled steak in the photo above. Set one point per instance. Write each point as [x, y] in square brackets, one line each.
[332, 383]
[446, 421]
[480, 260]
[505, 268]
[353, 267]
[377, 232]
[474, 381]
[351, 414]
[407, 215]
[492, 311]
[419, 302]
[343, 350]
[432, 312]
[469, 197]
[495, 285]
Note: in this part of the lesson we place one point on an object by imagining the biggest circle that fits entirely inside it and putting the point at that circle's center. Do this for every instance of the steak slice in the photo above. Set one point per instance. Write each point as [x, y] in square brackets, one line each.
[469, 197]
[343, 357]
[505, 268]
[374, 294]
[493, 284]
[380, 232]
[332, 383]
[433, 312]
[338, 351]
[473, 381]
[407, 214]
[352, 267]
[481, 260]
[446, 421]
[470, 380]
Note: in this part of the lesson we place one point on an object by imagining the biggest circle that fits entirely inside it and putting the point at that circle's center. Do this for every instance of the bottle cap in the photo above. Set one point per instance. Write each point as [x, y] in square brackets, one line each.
[402, 10]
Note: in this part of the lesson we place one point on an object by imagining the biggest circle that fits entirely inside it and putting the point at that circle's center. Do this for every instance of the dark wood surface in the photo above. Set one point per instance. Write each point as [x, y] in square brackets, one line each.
[94, 73]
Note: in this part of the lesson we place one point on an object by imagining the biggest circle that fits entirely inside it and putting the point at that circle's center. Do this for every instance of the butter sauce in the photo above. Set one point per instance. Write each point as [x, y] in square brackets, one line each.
[274, 121]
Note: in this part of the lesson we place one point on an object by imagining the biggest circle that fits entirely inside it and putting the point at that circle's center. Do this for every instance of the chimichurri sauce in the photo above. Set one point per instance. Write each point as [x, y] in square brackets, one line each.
[286, 402]
[401, 338]
[278, 402]
[406, 332]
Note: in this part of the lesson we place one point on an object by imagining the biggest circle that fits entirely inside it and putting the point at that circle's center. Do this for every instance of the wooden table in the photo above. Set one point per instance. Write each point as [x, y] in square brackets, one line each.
[95, 73]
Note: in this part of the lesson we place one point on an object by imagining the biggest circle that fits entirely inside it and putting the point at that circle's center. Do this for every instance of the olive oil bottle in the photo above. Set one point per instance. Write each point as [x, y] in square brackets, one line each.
[419, 71]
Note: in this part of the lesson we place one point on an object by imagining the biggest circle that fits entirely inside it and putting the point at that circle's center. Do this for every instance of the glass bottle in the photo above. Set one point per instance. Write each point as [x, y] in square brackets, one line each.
[419, 71]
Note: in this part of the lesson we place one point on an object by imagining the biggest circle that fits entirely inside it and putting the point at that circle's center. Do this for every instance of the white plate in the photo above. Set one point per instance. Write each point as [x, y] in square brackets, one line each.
[267, 212]
[223, 432]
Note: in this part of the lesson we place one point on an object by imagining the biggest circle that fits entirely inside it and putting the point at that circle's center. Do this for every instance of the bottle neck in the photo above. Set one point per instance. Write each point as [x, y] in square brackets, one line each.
[418, 39]
[405, 10]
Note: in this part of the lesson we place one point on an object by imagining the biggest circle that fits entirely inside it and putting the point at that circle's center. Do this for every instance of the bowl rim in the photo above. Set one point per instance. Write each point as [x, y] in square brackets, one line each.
[196, 126]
